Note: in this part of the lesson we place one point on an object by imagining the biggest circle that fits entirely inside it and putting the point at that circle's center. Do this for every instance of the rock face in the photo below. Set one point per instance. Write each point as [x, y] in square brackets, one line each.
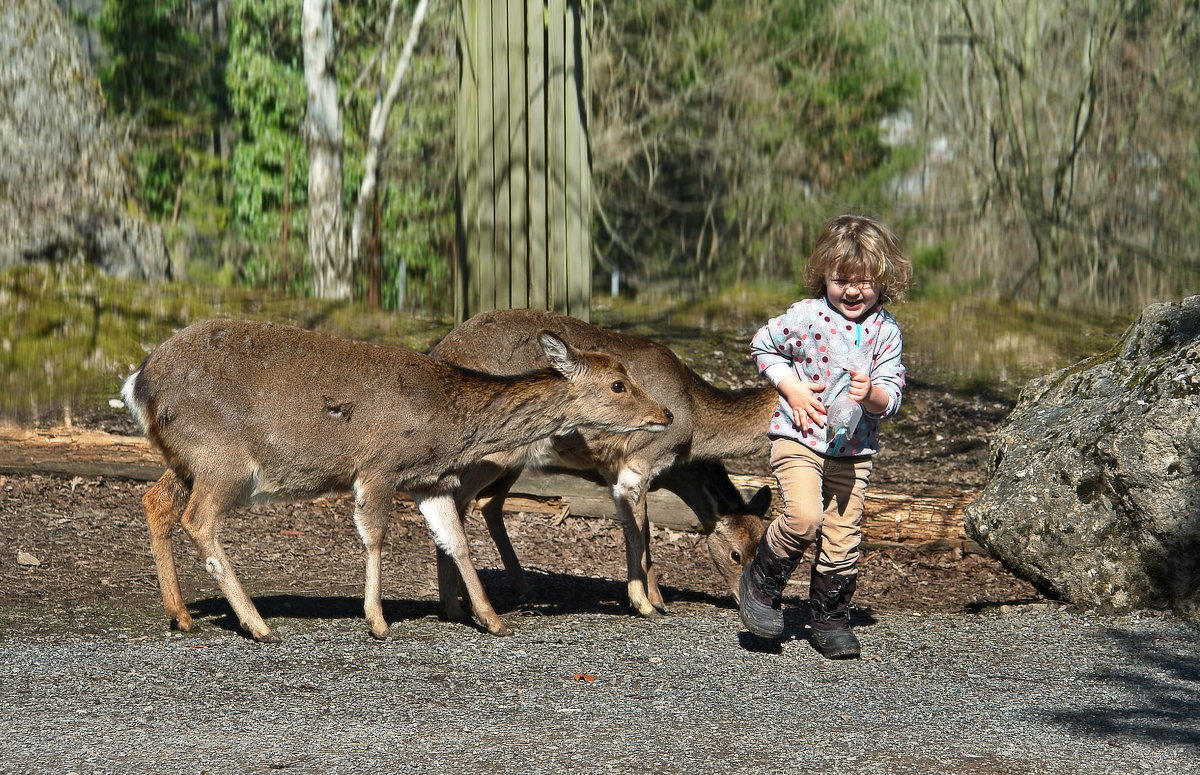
[1094, 494]
[64, 192]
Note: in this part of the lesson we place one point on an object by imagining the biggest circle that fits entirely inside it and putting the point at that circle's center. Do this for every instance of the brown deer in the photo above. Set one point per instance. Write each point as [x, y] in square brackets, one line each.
[246, 411]
[710, 424]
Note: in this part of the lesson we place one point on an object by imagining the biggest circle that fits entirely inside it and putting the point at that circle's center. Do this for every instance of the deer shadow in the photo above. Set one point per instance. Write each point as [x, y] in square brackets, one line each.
[549, 594]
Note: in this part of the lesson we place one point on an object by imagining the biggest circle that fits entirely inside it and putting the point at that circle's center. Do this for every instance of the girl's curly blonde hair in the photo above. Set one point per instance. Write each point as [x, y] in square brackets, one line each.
[859, 247]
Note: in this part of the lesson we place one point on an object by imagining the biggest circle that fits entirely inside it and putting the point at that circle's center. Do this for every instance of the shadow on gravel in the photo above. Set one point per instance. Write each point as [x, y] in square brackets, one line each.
[550, 594]
[751, 642]
[795, 627]
[216, 610]
[1162, 679]
[992, 605]
[554, 593]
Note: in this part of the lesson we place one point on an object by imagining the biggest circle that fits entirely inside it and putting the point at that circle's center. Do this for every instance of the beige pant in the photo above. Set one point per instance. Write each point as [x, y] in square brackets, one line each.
[822, 503]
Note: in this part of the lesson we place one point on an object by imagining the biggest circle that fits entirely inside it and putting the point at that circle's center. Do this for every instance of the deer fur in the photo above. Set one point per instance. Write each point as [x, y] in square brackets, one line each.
[247, 411]
[710, 424]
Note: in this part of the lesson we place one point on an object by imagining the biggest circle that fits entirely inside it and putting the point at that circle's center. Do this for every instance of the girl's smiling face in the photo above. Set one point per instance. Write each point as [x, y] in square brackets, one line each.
[854, 297]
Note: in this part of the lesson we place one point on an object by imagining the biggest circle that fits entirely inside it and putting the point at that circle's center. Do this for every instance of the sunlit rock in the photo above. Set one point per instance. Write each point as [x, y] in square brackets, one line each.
[1094, 494]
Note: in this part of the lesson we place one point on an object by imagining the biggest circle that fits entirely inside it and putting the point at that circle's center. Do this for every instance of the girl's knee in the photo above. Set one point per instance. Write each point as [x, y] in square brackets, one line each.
[800, 527]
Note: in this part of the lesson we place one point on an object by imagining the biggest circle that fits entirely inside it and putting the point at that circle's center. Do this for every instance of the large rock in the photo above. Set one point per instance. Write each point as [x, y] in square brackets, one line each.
[64, 192]
[1094, 494]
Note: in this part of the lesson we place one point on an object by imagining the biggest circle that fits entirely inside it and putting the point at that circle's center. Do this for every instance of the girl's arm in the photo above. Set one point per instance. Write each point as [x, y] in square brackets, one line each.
[874, 399]
[775, 347]
[882, 391]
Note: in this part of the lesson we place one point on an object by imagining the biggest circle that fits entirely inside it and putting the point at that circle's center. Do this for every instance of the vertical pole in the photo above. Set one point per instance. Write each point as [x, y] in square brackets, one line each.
[524, 171]
[483, 261]
[577, 179]
[466, 174]
[518, 128]
[556, 183]
[502, 158]
[537, 143]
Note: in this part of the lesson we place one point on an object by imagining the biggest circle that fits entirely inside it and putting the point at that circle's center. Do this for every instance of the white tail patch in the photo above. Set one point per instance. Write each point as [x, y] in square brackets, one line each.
[137, 410]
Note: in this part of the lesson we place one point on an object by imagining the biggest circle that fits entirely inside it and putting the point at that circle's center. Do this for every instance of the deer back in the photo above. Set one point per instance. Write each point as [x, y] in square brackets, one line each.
[288, 412]
[709, 421]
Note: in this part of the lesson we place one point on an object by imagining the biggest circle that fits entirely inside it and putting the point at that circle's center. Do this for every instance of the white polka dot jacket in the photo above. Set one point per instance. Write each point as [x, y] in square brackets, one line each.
[816, 343]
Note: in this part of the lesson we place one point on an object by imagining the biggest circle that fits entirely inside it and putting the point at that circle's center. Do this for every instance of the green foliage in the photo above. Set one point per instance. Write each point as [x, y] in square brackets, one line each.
[268, 169]
[268, 174]
[749, 125]
[416, 196]
[70, 335]
[164, 78]
[724, 133]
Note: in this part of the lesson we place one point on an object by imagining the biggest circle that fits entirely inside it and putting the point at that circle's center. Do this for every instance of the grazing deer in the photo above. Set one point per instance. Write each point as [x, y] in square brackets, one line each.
[246, 411]
[710, 424]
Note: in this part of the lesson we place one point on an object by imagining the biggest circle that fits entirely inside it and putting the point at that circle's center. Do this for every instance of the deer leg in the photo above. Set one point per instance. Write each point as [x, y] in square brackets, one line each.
[452, 592]
[628, 496]
[444, 522]
[653, 593]
[451, 589]
[163, 504]
[371, 502]
[202, 520]
[492, 508]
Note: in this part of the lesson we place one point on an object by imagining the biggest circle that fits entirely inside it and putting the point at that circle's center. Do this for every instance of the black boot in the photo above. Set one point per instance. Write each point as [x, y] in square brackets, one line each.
[829, 598]
[760, 591]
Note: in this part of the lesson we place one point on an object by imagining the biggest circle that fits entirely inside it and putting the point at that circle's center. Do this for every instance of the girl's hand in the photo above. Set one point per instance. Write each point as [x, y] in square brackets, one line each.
[863, 391]
[860, 386]
[807, 409]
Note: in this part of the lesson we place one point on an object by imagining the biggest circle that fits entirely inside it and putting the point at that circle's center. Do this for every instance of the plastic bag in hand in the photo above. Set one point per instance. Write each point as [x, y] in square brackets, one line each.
[842, 411]
[841, 418]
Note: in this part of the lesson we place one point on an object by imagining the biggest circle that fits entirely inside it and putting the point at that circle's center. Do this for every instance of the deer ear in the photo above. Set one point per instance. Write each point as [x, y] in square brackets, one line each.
[559, 353]
[760, 504]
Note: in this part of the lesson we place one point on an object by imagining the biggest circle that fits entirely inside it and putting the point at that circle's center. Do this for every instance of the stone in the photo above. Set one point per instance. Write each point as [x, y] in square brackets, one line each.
[27, 560]
[1094, 489]
[66, 191]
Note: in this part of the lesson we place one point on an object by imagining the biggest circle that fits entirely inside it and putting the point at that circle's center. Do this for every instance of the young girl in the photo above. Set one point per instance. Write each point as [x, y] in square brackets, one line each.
[835, 360]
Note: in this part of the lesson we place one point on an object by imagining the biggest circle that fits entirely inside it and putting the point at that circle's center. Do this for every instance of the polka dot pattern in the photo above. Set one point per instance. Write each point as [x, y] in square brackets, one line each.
[818, 344]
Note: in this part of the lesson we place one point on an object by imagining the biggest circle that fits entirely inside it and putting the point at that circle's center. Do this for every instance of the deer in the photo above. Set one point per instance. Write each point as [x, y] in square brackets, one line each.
[250, 411]
[710, 424]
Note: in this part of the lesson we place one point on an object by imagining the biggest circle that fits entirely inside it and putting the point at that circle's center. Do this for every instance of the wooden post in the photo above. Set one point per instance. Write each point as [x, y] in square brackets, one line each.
[523, 169]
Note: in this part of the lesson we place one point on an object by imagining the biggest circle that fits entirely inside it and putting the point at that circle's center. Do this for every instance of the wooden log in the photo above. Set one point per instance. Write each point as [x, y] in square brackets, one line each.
[923, 516]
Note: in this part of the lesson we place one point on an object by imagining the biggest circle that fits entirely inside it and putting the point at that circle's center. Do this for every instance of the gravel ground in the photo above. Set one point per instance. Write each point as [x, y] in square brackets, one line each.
[965, 669]
[1016, 690]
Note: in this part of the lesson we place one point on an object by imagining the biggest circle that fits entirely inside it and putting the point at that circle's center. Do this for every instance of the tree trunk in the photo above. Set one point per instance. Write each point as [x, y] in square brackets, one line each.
[380, 113]
[1049, 263]
[328, 251]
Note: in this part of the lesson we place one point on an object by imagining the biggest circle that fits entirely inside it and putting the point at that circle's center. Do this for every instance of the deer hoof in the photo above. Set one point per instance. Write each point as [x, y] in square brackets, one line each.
[499, 628]
[268, 637]
[183, 624]
[654, 615]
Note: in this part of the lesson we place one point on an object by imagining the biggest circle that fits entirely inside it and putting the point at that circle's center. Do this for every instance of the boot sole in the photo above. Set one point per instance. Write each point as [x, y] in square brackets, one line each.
[836, 644]
[763, 621]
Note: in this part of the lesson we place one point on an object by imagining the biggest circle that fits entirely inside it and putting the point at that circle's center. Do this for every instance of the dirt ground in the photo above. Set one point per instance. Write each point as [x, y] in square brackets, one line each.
[73, 544]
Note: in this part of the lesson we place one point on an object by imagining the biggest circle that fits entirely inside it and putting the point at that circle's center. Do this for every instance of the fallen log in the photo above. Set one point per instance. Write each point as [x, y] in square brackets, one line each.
[921, 517]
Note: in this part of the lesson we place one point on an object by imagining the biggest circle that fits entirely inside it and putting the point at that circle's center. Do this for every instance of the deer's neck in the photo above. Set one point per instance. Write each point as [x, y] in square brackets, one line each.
[731, 423]
[502, 413]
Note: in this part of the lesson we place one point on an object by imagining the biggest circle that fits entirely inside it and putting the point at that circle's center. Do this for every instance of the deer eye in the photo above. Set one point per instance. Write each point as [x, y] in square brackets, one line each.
[735, 555]
[618, 387]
